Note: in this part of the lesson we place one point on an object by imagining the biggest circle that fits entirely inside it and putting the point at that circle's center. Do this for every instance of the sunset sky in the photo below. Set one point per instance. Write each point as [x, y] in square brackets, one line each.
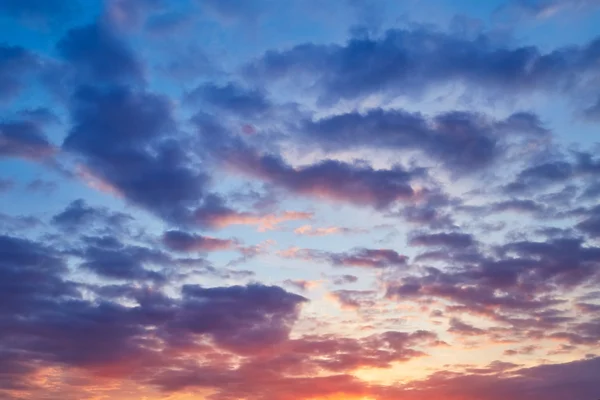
[299, 199]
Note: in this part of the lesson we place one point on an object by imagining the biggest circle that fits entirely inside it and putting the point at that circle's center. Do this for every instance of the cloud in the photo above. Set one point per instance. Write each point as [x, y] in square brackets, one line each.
[332, 180]
[284, 373]
[581, 166]
[353, 299]
[520, 286]
[358, 257]
[114, 260]
[592, 113]
[17, 65]
[309, 230]
[525, 350]
[13, 224]
[452, 240]
[232, 98]
[344, 279]
[24, 139]
[551, 382]
[121, 136]
[301, 284]
[430, 214]
[591, 224]
[518, 205]
[187, 242]
[411, 61]
[214, 213]
[463, 141]
[96, 303]
[65, 329]
[97, 54]
[463, 329]
[154, 338]
[239, 318]
[42, 186]
[541, 175]
[78, 216]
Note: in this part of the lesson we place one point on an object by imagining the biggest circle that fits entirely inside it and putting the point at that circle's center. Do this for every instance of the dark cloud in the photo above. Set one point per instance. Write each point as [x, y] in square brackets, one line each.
[358, 257]
[464, 141]
[452, 240]
[524, 278]
[408, 62]
[582, 165]
[239, 318]
[188, 242]
[299, 284]
[518, 205]
[48, 323]
[123, 137]
[114, 260]
[541, 175]
[91, 298]
[16, 66]
[353, 183]
[286, 373]
[97, 54]
[550, 382]
[463, 329]
[354, 299]
[525, 350]
[553, 172]
[591, 224]
[232, 98]
[24, 139]
[434, 212]
[79, 216]
[12, 224]
[42, 186]
[30, 272]
[567, 261]
[592, 113]
[587, 164]
[344, 279]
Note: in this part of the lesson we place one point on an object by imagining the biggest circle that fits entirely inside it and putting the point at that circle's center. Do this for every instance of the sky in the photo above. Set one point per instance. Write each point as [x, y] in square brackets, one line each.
[299, 199]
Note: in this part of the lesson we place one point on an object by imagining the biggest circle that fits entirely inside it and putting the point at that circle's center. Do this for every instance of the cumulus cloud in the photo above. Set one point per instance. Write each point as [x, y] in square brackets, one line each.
[187, 242]
[440, 212]
[410, 61]
[24, 139]
[17, 65]
[331, 180]
[359, 257]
